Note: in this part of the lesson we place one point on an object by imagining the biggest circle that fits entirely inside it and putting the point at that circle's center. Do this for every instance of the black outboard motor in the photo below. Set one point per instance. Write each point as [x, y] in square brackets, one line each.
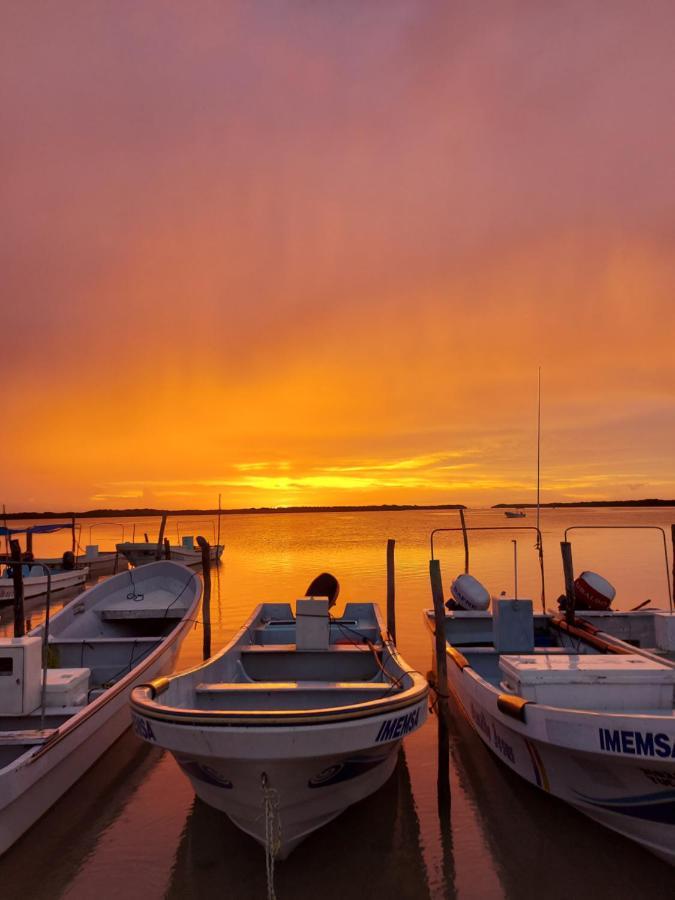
[68, 561]
[324, 585]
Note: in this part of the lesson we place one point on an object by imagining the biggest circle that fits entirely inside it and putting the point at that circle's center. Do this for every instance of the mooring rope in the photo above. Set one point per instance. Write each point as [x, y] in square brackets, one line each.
[272, 831]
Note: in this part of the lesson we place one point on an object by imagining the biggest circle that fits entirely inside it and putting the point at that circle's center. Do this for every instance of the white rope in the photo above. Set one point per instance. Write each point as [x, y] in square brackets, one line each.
[272, 832]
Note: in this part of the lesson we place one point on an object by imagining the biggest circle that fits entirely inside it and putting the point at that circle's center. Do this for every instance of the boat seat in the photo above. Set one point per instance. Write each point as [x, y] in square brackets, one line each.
[121, 614]
[105, 640]
[271, 649]
[229, 687]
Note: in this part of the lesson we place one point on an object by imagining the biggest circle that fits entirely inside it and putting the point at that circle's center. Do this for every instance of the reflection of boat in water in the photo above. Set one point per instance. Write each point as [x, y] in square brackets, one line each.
[56, 721]
[301, 713]
[377, 842]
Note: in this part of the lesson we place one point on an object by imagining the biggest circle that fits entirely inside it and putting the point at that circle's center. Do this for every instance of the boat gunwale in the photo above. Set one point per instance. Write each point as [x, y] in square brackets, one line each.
[143, 702]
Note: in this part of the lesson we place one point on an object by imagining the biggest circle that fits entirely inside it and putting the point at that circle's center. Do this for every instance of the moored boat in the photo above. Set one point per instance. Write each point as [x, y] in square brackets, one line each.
[580, 707]
[298, 717]
[69, 701]
[36, 582]
[139, 553]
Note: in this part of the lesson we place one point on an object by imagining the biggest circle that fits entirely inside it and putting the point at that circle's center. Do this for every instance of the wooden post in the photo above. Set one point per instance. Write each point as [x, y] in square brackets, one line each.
[29, 543]
[206, 603]
[466, 541]
[391, 590]
[160, 539]
[17, 578]
[145, 535]
[568, 571]
[4, 520]
[218, 534]
[167, 548]
[443, 783]
[72, 528]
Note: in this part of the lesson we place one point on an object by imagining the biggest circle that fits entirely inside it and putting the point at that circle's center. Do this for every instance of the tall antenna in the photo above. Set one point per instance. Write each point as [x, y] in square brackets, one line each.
[538, 450]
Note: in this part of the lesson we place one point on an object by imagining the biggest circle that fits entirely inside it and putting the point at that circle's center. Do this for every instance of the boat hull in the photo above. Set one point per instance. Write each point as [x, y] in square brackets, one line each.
[588, 760]
[236, 769]
[140, 554]
[34, 587]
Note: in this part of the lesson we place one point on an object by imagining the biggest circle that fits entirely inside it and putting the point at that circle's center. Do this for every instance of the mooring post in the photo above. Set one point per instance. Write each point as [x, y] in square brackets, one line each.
[206, 603]
[167, 548]
[441, 685]
[29, 543]
[568, 571]
[160, 539]
[672, 582]
[466, 541]
[391, 590]
[17, 578]
[72, 528]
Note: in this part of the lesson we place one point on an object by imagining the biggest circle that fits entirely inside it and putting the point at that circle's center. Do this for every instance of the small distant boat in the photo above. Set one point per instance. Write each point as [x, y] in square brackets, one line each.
[55, 722]
[296, 719]
[36, 583]
[514, 514]
[141, 552]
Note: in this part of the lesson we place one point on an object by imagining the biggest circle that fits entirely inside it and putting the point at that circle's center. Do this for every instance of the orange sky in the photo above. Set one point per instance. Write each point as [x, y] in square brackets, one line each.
[314, 253]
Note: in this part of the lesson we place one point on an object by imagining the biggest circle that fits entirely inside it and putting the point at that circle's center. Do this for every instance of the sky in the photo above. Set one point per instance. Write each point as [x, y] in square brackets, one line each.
[303, 253]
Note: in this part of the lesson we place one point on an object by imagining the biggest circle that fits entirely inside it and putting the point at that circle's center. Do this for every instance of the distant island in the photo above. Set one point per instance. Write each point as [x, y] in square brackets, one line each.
[263, 510]
[592, 503]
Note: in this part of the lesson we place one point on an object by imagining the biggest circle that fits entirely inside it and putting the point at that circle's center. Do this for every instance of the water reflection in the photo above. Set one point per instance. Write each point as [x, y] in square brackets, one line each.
[131, 827]
[372, 849]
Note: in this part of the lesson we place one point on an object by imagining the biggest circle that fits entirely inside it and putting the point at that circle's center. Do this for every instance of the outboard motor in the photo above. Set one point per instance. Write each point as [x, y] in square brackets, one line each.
[468, 593]
[324, 585]
[68, 561]
[592, 591]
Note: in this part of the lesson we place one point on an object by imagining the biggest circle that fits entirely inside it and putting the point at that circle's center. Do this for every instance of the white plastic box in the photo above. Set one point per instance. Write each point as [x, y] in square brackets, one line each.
[20, 675]
[312, 624]
[590, 681]
[67, 687]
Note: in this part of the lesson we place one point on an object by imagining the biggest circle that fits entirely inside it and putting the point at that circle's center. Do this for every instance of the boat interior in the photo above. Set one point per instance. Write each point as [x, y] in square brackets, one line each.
[93, 643]
[543, 657]
[285, 661]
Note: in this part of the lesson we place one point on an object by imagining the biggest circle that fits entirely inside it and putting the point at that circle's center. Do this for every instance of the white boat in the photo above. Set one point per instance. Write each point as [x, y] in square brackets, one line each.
[36, 583]
[297, 718]
[56, 722]
[575, 710]
[141, 552]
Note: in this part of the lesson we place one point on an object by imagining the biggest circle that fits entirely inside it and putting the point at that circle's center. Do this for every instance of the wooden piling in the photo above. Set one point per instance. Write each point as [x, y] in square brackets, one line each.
[29, 544]
[160, 539]
[568, 571]
[466, 541]
[74, 541]
[443, 784]
[391, 590]
[206, 602]
[672, 580]
[167, 548]
[17, 578]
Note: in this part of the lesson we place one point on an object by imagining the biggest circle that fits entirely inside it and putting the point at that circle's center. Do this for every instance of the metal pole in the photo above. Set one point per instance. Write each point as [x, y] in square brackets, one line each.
[206, 603]
[218, 535]
[391, 590]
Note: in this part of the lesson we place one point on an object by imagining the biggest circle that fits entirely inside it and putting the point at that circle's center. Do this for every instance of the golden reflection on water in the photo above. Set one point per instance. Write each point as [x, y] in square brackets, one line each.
[132, 828]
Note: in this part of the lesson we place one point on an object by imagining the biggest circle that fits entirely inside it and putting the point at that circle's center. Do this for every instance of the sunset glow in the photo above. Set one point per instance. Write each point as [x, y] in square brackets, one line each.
[303, 254]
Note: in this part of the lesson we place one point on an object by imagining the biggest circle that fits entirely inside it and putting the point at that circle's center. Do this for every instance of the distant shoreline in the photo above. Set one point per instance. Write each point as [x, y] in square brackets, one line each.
[260, 510]
[276, 510]
[583, 503]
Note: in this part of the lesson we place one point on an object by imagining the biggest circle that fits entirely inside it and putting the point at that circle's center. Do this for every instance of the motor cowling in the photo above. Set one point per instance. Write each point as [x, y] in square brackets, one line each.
[468, 593]
[592, 591]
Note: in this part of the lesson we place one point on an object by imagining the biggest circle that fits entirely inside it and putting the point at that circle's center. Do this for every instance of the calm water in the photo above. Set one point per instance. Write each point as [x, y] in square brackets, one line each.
[131, 827]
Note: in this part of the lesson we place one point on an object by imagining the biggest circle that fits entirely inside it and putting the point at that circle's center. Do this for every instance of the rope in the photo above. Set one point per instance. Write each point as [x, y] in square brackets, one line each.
[272, 831]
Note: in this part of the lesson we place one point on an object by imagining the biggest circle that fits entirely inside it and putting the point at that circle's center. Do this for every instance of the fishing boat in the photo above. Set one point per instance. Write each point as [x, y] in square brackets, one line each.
[298, 717]
[571, 706]
[37, 583]
[139, 553]
[66, 695]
